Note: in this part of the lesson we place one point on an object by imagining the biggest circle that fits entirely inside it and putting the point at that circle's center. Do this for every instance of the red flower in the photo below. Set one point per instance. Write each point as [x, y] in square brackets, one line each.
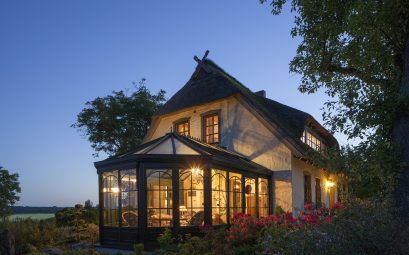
[337, 205]
[308, 207]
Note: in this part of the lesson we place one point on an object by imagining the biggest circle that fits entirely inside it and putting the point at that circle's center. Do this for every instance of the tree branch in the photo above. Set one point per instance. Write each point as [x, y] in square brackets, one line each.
[358, 74]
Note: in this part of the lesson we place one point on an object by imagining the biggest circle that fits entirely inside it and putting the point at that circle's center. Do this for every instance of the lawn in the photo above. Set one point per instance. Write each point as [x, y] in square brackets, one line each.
[34, 216]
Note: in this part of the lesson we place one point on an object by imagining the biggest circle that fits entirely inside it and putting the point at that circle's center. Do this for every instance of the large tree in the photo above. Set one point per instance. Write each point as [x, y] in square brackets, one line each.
[117, 123]
[9, 188]
[358, 53]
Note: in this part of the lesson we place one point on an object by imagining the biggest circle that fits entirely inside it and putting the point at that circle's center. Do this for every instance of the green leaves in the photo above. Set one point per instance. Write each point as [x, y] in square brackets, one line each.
[354, 50]
[117, 123]
[9, 188]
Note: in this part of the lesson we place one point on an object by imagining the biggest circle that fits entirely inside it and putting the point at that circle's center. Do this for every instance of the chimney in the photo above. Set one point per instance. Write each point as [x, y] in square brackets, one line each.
[261, 93]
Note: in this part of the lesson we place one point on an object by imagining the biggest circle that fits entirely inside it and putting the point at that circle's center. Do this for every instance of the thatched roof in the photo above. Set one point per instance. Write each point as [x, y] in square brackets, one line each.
[209, 83]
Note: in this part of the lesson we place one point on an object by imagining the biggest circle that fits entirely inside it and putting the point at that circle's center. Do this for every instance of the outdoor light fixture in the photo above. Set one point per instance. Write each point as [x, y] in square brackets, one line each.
[329, 184]
[196, 171]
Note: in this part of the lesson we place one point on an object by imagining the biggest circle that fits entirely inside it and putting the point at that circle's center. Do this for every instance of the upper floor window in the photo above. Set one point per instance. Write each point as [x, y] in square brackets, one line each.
[182, 127]
[311, 140]
[211, 129]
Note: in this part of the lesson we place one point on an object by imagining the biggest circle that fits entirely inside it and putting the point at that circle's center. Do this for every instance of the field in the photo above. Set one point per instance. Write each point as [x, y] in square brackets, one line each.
[34, 216]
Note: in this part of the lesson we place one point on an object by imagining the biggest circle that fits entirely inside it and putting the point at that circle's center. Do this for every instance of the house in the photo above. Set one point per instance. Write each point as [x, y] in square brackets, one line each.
[214, 149]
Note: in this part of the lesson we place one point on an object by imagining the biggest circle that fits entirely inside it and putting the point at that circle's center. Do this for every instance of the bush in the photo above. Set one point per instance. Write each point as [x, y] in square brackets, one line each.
[167, 243]
[76, 217]
[139, 249]
[32, 235]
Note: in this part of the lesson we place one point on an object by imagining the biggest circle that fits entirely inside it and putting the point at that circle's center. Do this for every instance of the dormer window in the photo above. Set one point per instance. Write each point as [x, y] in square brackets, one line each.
[210, 123]
[182, 127]
[312, 140]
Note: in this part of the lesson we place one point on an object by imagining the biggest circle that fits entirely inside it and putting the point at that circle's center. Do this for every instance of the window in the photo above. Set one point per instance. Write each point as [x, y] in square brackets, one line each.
[250, 194]
[318, 192]
[111, 196]
[211, 129]
[312, 141]
[307, 189]
[191, 197]
[159, 197]
[235, 194]
[263, 197]
[182, 128]
[129, 198]
[219, 197]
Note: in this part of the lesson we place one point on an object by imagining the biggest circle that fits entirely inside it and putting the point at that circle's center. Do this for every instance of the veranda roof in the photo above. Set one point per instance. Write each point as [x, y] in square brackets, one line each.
[175, 146]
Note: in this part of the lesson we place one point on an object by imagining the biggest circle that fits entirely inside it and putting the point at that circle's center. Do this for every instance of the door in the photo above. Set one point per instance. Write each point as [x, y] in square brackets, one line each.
[250, 196]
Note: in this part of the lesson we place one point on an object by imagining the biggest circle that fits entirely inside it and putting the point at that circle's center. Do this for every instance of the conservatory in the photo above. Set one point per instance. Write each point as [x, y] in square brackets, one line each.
[180, 183]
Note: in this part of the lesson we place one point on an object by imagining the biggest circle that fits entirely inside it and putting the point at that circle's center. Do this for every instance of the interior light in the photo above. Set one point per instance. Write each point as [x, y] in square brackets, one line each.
[115, 190]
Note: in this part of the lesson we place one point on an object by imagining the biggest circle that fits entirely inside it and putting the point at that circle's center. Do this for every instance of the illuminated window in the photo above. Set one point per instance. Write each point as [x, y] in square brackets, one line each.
[211, 129]
[182, 128]
[219, 197]
[235, 194]
[250, 194]
[263, 197]
[191, 197]
[111, 196]
[129, 198]
[159, 197]
[311, 141]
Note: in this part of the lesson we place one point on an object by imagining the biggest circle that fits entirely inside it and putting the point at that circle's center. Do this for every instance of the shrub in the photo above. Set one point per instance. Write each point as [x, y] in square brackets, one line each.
[167, 243]
[139, 249]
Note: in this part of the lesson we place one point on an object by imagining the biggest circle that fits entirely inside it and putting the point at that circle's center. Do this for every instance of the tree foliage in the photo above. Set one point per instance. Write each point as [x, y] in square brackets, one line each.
[117, 123]
[355, 51]
[9, 188]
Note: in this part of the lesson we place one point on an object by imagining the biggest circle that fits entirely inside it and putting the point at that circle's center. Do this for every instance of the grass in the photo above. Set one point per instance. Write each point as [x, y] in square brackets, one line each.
[34, 216]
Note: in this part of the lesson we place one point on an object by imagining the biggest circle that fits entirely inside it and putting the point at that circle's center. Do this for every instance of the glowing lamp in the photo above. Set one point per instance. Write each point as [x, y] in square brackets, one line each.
[329, 184]
[115, 190]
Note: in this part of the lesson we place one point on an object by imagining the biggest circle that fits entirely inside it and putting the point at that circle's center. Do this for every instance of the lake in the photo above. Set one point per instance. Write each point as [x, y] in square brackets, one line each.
[34, 216]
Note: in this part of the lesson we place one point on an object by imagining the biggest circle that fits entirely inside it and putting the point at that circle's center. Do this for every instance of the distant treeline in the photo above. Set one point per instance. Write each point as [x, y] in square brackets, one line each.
[35, 209]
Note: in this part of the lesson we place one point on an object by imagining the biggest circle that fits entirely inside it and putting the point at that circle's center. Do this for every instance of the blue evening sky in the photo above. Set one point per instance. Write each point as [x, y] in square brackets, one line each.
[56, 55]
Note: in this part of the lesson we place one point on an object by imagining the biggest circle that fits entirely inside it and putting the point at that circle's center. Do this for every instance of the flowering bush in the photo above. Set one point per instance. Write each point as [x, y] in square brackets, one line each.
[358, 227]
[246, 229]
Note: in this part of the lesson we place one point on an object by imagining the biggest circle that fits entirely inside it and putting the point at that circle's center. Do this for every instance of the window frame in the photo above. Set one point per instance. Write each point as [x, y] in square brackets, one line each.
[179, 122]
[312, 140]
[307, 195]
[204, 126]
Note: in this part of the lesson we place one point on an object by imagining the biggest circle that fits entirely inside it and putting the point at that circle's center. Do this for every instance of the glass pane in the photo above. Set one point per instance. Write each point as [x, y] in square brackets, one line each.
[191, 197]
[110, 191]
[159, 197]
[250, 191]
[215, 119]
[263, 202]
[208, 121]
[235, 193]
[219, 197]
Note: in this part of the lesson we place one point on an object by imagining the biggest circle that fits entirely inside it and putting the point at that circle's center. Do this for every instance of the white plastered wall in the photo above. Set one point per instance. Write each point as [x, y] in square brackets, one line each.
[299, 169]
[240, 130]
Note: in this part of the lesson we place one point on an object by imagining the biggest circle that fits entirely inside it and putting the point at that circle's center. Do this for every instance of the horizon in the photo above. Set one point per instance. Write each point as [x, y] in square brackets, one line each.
[56, 56]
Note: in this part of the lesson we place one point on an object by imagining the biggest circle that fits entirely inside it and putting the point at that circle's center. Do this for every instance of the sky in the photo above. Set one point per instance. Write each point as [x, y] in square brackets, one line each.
[57, 55]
